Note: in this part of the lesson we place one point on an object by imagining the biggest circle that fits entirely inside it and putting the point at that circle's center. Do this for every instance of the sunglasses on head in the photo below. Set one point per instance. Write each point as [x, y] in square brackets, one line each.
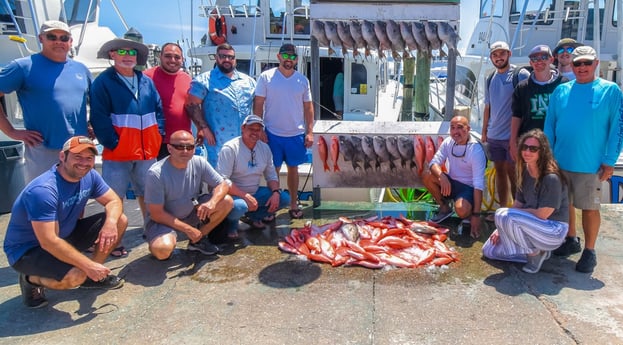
[183, 147]
[530, 148]
[537, 58]
[583, 63]
[227, 57]
[569, 50]
[122, 52]
[52, 37]
[287, 56]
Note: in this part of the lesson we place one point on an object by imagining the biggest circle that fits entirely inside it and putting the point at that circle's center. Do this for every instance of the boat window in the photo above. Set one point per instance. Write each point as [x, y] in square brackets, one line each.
[590, 20]
[615, 16]
[535, 10]
[239, 7]
[486, 8]
[571, 9]
[359, 79]
[291, 14]
[76, 11]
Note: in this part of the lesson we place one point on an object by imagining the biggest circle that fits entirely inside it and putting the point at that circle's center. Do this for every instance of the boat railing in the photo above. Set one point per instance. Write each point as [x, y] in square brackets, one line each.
[245, 11]
[527, 20]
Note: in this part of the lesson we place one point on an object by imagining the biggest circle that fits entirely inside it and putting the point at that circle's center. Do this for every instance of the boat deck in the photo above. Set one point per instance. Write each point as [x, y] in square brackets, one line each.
[257, 294]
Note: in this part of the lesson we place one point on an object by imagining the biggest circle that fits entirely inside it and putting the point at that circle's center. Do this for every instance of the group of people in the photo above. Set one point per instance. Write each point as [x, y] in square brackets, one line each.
[142, 119]
[530, 129]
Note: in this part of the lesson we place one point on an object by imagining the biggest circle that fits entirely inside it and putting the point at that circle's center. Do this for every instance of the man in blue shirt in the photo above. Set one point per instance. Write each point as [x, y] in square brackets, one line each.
[219, 100]
[47, 234]
[52, 92]
[587, 159]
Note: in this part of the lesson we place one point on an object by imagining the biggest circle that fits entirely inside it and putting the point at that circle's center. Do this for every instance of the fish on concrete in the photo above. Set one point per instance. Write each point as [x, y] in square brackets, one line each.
[380, 147]
[318, 32]
[350, 232]
[369, 35]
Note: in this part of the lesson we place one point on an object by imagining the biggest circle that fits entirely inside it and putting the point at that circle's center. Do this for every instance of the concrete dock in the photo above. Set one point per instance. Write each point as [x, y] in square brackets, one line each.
[256, 294]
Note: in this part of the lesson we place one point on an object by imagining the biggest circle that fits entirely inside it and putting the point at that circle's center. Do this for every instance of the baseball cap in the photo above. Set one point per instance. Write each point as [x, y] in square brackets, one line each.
[51, 25]
[499, 45]
[566, 42]
[540, 49]
[78, 144]
[584, 53]
[252, 119]
[288, 48]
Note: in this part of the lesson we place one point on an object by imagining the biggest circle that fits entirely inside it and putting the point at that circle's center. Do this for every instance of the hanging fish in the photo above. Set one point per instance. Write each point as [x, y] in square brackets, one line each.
[318, 32]
[330, 29]
[380, 147]
[406, 31]
[335, 152]
[323, 152]
[343, 31]
[367, 143]
[367, 30]
[380, 29]
[431, 34]
[357, 35]
[405, 147]
[419, 33]
[448, 36]
[395, 37]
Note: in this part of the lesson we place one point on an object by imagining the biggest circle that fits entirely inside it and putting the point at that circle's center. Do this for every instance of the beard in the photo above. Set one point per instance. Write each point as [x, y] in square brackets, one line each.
[226, 70]
[501, 65]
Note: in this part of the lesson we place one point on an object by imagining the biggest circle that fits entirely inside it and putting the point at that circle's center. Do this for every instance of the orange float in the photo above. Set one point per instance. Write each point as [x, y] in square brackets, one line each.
[217, 28]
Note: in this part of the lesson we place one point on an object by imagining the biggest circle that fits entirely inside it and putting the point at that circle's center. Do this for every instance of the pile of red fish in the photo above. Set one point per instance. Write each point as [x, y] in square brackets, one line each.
[372, 243]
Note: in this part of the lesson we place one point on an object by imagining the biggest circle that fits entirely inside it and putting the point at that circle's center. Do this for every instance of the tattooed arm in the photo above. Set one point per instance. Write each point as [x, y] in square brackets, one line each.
[195, 111]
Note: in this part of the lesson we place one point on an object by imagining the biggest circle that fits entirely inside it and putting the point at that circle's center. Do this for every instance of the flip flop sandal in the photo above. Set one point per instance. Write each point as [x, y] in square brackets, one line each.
[296, 213]
[258, 224]
[268, 219]
[119, 252]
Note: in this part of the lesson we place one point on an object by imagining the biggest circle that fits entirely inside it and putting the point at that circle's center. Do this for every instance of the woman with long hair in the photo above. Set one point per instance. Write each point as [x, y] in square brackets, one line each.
[537, 223]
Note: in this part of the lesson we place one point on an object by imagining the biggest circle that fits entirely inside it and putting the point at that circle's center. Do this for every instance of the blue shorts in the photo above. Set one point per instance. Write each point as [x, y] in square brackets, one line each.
[499, 150]
[39, 262]
[118, 175]
[292, 150]
[459, 190]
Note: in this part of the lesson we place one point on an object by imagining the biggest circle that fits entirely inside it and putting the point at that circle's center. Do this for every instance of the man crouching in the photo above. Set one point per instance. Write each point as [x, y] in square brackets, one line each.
[46, 234]
[175, 202]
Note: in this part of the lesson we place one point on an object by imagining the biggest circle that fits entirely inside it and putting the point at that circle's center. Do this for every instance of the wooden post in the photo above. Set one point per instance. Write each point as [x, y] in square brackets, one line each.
[406, 113]
[422, 85]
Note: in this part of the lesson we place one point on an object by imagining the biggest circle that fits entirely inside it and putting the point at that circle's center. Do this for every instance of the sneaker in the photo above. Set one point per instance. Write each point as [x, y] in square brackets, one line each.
[587, 262]
[111, 282]
[33, 295]
[204, 246]
[441, 216]
[571, 245]
[535, 262]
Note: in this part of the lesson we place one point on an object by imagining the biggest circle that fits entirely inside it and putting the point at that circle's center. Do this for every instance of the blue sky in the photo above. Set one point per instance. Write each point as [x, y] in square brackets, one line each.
[170, 20]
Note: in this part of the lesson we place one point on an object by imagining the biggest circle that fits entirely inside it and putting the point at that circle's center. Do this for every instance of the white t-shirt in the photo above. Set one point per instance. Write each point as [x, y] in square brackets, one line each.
[245, 167]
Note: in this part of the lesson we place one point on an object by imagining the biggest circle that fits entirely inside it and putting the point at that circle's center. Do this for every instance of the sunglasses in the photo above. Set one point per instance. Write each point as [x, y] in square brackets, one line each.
[183, 147]
[458, 155]
[226, 57]
[538, 58]
[583, 63]
[287, 56]
[530, 148]
[252, 163]
[53, 38]
[123, 52]
[568, 50]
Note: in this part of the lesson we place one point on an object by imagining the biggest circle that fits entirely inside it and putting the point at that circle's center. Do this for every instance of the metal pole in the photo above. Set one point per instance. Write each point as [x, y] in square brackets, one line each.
[450, 85]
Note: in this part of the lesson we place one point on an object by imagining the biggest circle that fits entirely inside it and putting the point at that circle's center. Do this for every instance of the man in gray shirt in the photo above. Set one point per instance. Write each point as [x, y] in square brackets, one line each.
[245, 160]
[175, 203]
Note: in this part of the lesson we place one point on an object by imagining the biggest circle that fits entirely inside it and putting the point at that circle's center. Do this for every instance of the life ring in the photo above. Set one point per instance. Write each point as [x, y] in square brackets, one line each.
[217, 28]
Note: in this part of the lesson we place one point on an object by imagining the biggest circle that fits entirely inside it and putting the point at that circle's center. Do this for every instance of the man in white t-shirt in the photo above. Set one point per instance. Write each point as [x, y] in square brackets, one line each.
[283, 99]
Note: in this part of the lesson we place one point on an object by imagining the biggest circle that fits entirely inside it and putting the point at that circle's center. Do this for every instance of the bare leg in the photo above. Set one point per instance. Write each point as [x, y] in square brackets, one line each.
[463, 208]
[141, 205]
[293, 186]
[512, 178]
[591, 220]
[219, 215]
[501, 182]
[572, 220]
[162, 246]
[432, 185]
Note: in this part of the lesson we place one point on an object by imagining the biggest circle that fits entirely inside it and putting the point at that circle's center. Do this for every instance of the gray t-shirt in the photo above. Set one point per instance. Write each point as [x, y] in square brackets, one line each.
[245, 167]
[174, 188]
[551, 192]
[499, 97]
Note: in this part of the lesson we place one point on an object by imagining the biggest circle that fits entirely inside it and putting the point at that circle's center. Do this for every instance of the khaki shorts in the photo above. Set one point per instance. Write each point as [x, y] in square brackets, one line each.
[584, 190]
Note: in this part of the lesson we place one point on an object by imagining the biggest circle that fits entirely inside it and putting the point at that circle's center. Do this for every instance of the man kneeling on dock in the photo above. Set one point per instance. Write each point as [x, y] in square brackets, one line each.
[175, 202]
[46, 234]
